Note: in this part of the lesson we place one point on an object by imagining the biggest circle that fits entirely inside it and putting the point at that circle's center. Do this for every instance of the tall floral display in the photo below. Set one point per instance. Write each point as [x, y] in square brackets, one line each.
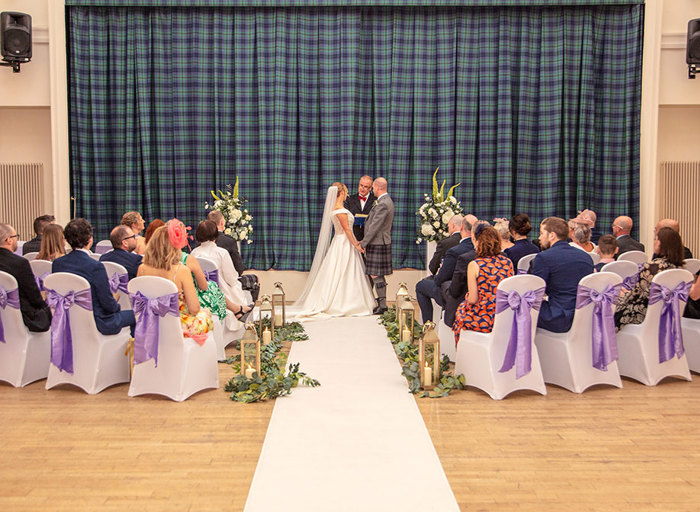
[237, 218]
[436, 212]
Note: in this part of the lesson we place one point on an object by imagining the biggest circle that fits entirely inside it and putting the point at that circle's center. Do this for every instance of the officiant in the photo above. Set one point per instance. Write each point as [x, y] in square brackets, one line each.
[360, 204]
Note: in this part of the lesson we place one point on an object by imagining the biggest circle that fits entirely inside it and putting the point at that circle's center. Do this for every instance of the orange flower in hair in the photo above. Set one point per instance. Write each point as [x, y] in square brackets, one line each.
[177, 232]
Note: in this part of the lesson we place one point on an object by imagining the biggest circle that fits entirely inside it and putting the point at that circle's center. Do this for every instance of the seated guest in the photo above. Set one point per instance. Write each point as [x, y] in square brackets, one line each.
[53, 245]
[519, 227]
[444, 245]
[580, 233]
[607, 248]
[562, 267]
[430, 287]
[692, 308]
[162, 259]
[592, 217]
[489, 268]
[248, 281]
[123, 243]
[155, 224]
[229, 284]
[675, 226]
[40, 223]
[36, 314]
[501, 226]
[134, 221]
[668, 248]
[622, 227]
[109, 317]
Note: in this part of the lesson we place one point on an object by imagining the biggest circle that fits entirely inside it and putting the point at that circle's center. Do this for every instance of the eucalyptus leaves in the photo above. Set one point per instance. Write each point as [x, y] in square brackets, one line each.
[408, 354]
[273, 382]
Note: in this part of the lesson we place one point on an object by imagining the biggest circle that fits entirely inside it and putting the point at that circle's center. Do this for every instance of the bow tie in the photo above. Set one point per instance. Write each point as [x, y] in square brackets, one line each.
[363, 198]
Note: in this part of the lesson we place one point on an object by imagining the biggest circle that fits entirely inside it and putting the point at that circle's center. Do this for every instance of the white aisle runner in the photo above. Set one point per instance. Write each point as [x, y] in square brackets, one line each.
[358, 442]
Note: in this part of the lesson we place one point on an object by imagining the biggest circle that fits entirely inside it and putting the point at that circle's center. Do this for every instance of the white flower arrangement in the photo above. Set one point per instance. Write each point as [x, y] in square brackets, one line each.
[236, 217]
[436, 212]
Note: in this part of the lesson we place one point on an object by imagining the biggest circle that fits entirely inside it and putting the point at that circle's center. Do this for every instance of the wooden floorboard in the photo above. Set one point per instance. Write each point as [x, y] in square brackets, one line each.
[632, 449]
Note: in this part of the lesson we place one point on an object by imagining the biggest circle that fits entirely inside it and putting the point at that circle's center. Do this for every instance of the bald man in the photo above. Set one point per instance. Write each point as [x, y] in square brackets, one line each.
[675, 226]
[622, 227]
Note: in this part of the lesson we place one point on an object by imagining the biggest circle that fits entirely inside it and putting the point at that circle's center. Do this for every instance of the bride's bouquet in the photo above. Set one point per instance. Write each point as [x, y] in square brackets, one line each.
[237, 218]
[436, 212]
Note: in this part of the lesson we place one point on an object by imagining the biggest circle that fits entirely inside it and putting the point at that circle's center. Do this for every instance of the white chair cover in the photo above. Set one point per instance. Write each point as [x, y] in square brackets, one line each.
[621, 268]
[95, 256]
[24, 357]
[115, 268]
[99, 360]
[20, 243]
[184, 367]
[524, 263]
[40, 268]
[480, 356]
[692, 265]
[103, 246]
[566, 358]
[595, 257]
[31, 256]
[638, 344]
[638, 257]
[691, 339]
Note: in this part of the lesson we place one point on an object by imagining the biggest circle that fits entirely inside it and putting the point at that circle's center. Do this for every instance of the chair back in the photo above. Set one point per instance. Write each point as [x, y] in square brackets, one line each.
[595, 257]
[621, 268]
[638, 257]
[670, 279]
[41, 269]
[103, 246]
[692, 265]
[582, 325]
[209, 268]
[13, 326]
[95, 256]
[524, 263]
[20, 243]
[115, 268]
[31, 256]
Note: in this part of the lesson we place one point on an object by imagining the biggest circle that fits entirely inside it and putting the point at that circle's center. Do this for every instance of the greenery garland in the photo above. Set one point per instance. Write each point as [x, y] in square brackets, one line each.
[408, 354]
[272, 382]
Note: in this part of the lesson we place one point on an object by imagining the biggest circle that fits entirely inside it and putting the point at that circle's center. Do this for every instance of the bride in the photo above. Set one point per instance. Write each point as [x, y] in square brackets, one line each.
[337, 284]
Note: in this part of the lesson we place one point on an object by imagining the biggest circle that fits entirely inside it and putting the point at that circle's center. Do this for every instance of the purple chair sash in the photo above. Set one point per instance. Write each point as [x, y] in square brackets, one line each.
[212, 275]
[519, 351]
[670, 331]
[604, 341]
[521, 272]
[40, 280]
[118, 283]
[630, 282]
[146, 332]
[61, 336]
[11, 299]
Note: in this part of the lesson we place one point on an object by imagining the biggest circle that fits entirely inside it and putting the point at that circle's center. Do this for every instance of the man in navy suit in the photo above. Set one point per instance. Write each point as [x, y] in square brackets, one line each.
[36, 314]
[429, 288]
[123, 243]
[109, 317]
[562, 267]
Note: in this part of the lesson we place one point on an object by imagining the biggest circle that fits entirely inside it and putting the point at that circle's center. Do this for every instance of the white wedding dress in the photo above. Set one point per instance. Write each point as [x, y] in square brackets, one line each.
[340, 287]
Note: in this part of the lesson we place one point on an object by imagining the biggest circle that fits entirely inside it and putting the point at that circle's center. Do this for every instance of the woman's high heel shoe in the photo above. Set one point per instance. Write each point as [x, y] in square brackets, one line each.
[242, 315]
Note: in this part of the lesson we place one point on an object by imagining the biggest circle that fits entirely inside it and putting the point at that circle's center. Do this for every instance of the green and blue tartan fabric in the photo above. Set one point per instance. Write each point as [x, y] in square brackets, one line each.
[346, 3]
[533, 110]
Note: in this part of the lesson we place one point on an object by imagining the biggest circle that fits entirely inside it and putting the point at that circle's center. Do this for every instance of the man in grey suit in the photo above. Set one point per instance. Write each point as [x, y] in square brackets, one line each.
[622, 226]
[376, 243]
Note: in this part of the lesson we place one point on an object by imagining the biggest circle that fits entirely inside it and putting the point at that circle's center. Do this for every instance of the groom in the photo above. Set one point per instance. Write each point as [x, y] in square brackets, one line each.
[377, 241]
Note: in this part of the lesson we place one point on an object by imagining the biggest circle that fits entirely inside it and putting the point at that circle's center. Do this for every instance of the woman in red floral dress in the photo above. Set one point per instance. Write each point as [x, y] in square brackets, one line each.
[490, 267]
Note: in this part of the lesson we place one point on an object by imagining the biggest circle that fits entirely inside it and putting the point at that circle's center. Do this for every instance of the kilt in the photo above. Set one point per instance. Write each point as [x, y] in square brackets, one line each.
[378, 260]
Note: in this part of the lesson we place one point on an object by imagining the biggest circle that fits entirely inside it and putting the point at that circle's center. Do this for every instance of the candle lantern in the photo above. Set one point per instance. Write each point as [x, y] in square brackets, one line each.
[267, 314]
[429, 356]
[400, 294]
[250, 351]
[278, 306]
[406, 314]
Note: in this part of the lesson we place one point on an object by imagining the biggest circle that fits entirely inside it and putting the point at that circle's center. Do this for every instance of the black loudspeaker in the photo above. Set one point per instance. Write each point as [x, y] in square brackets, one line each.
[692, 54]
[16, 34]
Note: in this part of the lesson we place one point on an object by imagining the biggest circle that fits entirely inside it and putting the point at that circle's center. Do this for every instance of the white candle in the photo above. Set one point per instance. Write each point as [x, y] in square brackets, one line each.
[278, 319]
[267, 336]
[406, 335]
[427, 375]
[249, 372]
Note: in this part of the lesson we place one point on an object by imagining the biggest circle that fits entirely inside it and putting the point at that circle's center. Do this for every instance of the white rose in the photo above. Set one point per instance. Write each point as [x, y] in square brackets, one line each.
[426, 230]
[433, 213]
[418, 241]
[227, 231]
[453, 200]
[447, 216]
[436, 224]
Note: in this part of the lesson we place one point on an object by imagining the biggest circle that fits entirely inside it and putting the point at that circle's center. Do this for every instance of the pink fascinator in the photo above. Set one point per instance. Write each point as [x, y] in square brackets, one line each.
[177, 232]
[585, 218]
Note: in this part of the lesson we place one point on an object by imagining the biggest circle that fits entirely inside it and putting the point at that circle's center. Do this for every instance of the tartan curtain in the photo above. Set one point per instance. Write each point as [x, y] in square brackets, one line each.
[533, 110]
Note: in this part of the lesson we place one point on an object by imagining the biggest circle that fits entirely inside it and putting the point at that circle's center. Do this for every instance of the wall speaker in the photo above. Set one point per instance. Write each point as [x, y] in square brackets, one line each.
[692, 54]
[16, 35]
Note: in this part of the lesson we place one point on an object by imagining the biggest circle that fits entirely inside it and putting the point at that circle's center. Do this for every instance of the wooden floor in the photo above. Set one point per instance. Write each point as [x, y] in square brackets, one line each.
[633, 449]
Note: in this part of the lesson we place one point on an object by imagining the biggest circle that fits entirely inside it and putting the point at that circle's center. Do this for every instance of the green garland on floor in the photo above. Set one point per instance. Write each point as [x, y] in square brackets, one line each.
[273, 382]
[408, 354]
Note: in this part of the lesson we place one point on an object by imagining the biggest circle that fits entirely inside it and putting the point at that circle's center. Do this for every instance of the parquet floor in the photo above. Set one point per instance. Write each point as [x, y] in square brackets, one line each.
[624, 450]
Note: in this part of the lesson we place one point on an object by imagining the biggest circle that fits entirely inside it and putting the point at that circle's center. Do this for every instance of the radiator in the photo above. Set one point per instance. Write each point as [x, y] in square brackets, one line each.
[21, 196]
[680, 192]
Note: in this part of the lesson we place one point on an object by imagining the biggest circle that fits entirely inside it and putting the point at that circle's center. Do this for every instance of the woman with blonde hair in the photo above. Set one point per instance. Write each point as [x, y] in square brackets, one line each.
[162, 259]
[53, 245]
[501, 225]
